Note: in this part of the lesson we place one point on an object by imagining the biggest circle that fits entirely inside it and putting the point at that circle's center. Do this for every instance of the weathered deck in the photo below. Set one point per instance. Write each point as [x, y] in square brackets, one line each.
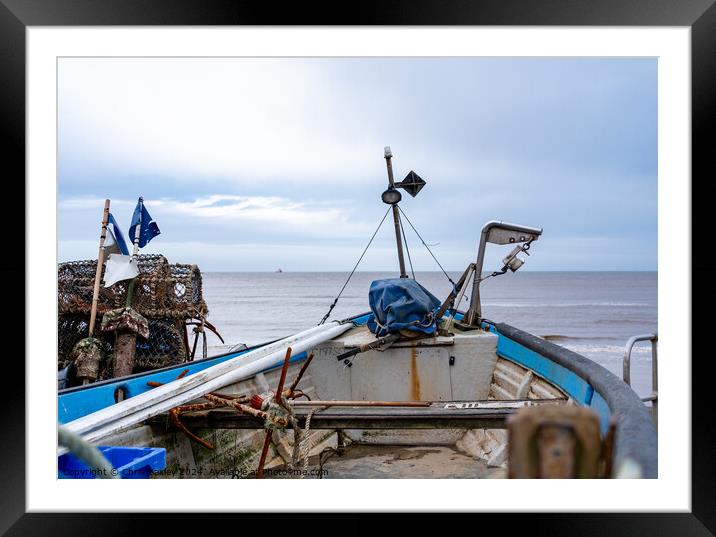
[394, 462]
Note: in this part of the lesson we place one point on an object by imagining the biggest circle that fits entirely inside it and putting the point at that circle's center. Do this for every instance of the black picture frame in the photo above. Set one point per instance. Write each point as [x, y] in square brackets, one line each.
[699, 15]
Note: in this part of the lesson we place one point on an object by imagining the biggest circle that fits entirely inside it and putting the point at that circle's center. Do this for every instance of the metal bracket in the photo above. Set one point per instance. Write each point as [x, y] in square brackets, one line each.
[495, 232]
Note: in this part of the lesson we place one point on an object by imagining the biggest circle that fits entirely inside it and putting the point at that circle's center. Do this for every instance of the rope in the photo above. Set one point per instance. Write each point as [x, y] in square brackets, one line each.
[405, 240]
[325, 317]
[426, 246]
[503, 270]
[88, 453]
[492, 275]
[303, 444]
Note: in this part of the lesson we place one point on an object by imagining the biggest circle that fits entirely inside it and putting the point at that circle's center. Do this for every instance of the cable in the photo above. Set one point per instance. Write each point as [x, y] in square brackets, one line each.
[426, 246]
[354, 268]
[405, 240]
[502, 271]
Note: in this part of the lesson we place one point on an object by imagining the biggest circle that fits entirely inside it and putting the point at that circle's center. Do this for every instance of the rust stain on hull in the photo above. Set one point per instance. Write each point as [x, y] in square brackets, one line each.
[414, 376]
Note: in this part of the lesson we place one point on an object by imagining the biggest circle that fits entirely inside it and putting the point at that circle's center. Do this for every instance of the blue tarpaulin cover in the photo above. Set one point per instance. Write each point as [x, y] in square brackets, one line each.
[399, 303]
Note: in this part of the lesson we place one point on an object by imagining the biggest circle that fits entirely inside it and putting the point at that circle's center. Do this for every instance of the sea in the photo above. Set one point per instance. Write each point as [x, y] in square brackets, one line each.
[591, 313]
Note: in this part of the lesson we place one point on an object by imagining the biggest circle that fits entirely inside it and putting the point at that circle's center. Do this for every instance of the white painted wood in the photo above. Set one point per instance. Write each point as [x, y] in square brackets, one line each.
[402, 374]
[333, 377]
[126, 414]
[409, 371]
[475, 355]
[141, 401]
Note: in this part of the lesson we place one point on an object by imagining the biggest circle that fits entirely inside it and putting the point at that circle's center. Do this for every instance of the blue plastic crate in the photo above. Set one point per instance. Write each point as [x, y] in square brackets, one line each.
[130, 463]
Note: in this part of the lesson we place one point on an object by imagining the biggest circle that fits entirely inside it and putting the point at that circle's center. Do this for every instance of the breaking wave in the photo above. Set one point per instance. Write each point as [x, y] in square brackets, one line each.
[617, 351]
[567, 304]
[560, 337]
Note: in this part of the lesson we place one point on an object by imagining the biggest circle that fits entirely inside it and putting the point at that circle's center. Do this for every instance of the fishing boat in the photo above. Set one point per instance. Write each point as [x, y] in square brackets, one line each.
[414, 387]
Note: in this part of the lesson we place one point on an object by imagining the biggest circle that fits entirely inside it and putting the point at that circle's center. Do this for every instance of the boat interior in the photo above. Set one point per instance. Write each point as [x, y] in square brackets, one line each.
[451, 374]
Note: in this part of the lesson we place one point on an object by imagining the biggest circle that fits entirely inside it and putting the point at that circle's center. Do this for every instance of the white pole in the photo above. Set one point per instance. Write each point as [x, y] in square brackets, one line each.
[142, 401]
[240, 373]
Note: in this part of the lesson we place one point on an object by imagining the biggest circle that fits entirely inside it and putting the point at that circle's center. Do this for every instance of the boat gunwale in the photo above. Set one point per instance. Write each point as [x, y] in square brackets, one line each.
[636, 437]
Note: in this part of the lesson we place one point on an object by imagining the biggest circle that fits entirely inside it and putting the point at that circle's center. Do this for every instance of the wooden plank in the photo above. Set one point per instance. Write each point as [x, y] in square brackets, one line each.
[439, 415]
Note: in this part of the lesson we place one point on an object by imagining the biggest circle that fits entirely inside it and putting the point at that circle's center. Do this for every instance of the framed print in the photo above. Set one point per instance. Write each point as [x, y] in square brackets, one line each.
[250, 174]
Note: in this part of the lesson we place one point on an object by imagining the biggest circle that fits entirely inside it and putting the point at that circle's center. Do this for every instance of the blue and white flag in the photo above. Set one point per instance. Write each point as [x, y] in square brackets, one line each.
[118, 268]
[148, 228]
[114, 243]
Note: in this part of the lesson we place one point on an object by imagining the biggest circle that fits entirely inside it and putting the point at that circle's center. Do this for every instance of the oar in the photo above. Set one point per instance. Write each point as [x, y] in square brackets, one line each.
[88, 352]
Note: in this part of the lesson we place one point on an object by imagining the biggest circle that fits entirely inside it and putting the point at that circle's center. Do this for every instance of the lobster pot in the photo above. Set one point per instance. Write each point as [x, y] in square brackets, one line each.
[164, 347]
[167, 295]
[161, 289]
[71, 329]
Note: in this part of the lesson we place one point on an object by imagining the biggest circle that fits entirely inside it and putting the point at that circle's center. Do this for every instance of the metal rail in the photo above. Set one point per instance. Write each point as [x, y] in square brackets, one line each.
[429, 415]
[653, 396]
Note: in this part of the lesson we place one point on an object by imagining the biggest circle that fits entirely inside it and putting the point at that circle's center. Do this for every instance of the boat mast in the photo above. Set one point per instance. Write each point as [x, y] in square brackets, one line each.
[392, 197]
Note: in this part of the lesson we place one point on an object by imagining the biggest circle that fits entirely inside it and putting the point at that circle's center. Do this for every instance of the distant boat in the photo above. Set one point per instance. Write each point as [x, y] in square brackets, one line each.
[279, 270]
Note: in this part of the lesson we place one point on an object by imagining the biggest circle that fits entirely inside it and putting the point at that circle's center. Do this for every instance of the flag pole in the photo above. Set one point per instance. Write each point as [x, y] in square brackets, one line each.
[125, 322]
[135, 251]
[98, 273]
[87, 353]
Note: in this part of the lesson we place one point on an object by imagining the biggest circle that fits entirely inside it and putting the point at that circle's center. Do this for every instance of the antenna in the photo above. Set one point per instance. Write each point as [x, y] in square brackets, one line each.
[412, 184]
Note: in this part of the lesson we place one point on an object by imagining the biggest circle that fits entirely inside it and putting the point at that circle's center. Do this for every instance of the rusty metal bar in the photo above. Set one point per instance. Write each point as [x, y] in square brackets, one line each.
[277, 398]
[363, 403]
[282, 380]
[208, 325]
[264, 452]
[340, 418]
[459, 288]
[298, 378]
[174, 414]
[436, 415]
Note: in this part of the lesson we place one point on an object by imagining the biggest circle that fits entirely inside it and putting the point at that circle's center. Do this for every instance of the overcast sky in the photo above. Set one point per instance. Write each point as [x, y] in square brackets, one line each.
[255, 164]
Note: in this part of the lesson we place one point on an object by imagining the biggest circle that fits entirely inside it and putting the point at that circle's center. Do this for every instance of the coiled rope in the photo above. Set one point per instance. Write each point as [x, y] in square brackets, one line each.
[303, 443]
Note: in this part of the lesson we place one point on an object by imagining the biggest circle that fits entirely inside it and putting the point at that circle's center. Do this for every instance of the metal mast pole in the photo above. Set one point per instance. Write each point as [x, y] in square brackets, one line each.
[396, 216]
